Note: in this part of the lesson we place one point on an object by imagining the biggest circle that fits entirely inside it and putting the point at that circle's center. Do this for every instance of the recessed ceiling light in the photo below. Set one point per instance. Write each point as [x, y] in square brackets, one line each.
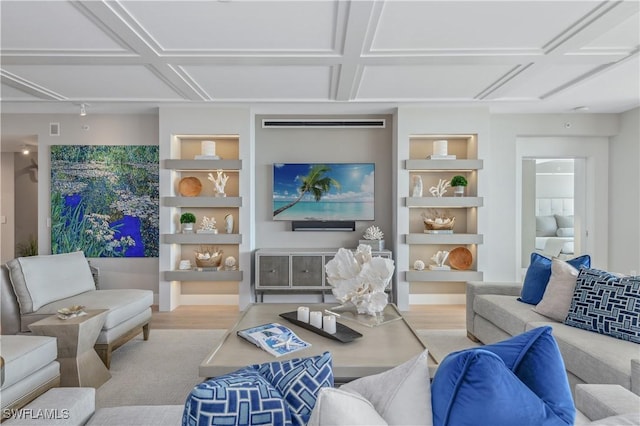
[581, 109]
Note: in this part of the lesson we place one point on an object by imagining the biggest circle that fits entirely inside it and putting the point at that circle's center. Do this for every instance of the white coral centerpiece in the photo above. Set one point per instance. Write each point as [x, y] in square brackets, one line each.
[441, 189]
[359, 279]
[373, 233]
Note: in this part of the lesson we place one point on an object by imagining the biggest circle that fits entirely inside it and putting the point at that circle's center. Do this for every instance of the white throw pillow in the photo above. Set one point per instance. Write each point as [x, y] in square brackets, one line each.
[556, 300]
[402, 395]
[565, 232]
[335, 407]
[39, 280]
[546, 226]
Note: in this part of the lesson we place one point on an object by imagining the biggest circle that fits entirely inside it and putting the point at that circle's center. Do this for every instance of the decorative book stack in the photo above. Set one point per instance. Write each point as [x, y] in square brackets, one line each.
[440, 148]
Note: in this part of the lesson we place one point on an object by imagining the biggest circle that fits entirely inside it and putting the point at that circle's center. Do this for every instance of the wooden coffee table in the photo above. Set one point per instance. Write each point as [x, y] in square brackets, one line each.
[80, 365]
[381, 348]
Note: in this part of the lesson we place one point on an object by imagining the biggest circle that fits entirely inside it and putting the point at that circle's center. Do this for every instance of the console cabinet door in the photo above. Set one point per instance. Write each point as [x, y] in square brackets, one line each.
[306, 271]
[274, 271]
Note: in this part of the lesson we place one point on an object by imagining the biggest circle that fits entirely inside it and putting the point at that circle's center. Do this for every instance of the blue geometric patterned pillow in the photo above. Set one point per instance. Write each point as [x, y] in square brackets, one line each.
[282, 393]
[607, 304]
[243, 397]
[299, 381]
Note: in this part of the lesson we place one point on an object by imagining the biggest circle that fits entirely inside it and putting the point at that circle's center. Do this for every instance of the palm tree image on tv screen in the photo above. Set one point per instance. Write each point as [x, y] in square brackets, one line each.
[323, 191]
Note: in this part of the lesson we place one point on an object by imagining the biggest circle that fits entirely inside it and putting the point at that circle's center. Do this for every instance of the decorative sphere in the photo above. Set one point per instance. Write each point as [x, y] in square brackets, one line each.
[418, 265]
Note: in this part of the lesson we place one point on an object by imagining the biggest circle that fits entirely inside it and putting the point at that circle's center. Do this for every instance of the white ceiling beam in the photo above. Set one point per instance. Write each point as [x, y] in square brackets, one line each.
[361, 20]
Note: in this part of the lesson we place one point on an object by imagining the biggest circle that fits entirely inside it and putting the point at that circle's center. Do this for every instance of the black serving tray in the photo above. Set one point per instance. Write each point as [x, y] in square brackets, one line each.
[343, 333]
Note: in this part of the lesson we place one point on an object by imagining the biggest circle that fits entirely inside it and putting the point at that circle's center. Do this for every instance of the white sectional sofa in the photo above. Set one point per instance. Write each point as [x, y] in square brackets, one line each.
[35, 287]
[29, 368]
[494, 314]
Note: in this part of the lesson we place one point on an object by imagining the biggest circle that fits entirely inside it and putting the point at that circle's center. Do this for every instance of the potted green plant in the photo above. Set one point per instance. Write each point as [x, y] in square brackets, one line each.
[458, 183]
[187, 220]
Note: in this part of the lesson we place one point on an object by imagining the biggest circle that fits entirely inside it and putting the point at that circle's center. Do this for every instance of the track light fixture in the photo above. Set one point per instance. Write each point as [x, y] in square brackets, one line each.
[83, 110]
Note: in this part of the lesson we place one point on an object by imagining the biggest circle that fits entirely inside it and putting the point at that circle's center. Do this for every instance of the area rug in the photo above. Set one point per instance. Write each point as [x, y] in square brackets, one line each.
[440, 343]
[160, 371]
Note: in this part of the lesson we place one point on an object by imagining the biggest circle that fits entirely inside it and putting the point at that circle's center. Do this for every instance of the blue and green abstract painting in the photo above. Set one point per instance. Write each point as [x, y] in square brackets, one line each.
[104, 200]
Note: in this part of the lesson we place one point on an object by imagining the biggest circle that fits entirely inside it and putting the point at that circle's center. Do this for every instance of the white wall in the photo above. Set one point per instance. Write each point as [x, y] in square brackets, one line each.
[7, 212]
[502, 239]
[497, 181]
[320, 145]
[624, 195]
[26, 199]
[129, 129]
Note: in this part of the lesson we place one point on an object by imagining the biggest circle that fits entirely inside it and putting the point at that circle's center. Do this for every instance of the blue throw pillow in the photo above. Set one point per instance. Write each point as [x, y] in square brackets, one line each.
[538, 274]
[280, 393]
[299, 381]
[243, 397]
[520, 381]
[607, 304]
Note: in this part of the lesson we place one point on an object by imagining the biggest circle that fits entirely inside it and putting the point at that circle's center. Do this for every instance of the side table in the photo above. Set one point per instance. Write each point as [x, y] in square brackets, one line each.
[80, 365]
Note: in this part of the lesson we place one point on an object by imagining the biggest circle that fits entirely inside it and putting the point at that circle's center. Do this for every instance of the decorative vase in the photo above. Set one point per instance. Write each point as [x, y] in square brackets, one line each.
[187, 228]
[228, 222]
[458, 191]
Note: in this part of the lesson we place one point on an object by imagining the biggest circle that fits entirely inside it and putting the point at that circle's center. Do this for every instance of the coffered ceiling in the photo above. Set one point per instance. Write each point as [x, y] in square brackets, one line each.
[512, 56]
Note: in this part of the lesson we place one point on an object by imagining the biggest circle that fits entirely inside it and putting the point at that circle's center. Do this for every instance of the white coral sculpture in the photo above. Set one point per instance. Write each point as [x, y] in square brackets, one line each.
[373, 233]
[360, 280]
[441, 189]
[219, 182]
[208, 224]
[440, 257]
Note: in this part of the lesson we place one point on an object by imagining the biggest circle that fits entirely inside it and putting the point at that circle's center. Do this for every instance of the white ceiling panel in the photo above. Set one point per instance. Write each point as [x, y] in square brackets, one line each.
[88, 82]
[474, 25]
[547, 79]
[238, 25]
[263, 82]
[50, 25]
[9, 92]
[624, 36]
[618, 85]
[433, 82]
[510, 56]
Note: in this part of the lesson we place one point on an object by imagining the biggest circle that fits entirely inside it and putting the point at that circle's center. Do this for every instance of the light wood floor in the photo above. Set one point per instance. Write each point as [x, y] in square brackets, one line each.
[224, 316]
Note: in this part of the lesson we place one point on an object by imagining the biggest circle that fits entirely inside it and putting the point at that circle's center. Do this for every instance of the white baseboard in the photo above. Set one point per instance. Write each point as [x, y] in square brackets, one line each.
[437, 299]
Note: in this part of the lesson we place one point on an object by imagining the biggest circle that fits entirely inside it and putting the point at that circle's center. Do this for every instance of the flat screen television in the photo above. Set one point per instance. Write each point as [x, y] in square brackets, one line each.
[323, 191]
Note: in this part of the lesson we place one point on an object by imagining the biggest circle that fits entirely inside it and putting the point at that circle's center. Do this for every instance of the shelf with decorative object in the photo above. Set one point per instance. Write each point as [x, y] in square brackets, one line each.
[212, 202]
[204, 275]
[205, 173]
[202, 238]
[442, 218]
[203, 165]
[442, 165]
[458, 239]
[450, 202]
[443, 276]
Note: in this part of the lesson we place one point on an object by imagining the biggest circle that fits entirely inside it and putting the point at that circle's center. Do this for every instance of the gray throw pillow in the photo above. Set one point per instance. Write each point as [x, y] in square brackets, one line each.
[556, 300]
[564, 221]
[546, 226]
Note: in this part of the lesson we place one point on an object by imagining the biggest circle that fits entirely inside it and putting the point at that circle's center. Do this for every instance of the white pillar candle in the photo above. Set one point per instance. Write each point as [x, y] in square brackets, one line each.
[208, 148]
[440, 147]
[303, 314]
[315, 319]
[329, 324]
